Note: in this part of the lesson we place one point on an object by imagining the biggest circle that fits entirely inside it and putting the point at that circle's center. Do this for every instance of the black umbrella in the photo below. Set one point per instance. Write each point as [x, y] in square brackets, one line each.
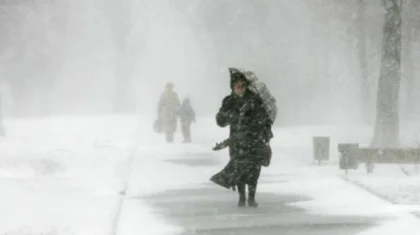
[257, 86]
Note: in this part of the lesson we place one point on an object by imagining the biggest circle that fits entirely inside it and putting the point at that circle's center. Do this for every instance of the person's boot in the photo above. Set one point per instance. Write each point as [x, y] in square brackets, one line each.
[242, 197]
[252, 188]
[242, 201]
[252, 203]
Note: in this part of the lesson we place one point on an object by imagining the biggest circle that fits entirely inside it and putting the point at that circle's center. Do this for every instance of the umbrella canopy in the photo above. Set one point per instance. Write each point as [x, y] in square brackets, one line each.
[257, 86]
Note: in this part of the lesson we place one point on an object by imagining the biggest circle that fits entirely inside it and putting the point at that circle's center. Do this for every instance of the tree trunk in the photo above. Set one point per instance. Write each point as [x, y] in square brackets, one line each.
[363, 61]
[407, 57]
[386, 133]
[408, 74]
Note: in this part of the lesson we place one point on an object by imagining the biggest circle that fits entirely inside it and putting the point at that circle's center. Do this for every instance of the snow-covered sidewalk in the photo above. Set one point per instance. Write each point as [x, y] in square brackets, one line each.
[163, 179]
[62, 175]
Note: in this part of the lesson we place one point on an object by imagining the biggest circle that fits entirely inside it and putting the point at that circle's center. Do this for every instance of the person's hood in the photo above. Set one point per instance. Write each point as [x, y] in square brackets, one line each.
[236, 75]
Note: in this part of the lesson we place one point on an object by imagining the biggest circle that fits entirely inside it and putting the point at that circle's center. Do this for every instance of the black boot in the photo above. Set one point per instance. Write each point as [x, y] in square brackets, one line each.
[241, 202]
[252, 189]
[242, 197]
[252, 203]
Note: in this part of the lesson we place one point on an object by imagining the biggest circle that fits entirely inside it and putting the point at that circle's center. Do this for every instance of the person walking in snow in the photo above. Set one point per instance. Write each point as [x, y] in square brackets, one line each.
[250, 131]
[168, 111]
[187, 116]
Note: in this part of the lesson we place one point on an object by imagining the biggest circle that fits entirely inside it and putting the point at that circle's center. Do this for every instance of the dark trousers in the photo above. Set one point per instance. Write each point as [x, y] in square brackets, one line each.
[252, 190]
[252, 185]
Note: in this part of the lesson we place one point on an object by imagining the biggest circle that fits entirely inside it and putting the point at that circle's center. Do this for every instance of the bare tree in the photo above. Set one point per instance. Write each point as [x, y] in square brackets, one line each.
[30, 52]
[363, 60]
[386, 132]
[410, 18]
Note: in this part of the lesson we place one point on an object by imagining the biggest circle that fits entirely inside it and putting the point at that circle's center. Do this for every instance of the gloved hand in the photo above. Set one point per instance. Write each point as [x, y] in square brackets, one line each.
[228, 103]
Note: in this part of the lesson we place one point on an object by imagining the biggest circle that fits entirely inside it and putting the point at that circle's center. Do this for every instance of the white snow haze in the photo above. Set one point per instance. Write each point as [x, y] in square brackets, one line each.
[80, 82]
[309, 61]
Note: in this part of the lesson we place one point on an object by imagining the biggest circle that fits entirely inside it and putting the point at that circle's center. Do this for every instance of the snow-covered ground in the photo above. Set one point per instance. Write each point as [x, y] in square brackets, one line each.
[62, 175]
[397, 183]
[65, 175]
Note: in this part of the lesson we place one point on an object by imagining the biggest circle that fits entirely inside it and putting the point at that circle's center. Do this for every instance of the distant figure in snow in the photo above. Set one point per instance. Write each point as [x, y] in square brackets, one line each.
[168, 111]
[187, 116]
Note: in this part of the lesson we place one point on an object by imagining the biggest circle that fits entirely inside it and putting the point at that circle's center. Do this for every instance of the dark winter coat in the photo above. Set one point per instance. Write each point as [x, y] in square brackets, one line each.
[250, 129]
[187, 114]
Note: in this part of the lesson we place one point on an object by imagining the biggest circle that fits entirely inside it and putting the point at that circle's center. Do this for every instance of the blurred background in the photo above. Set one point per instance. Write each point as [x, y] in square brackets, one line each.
[321, 59]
